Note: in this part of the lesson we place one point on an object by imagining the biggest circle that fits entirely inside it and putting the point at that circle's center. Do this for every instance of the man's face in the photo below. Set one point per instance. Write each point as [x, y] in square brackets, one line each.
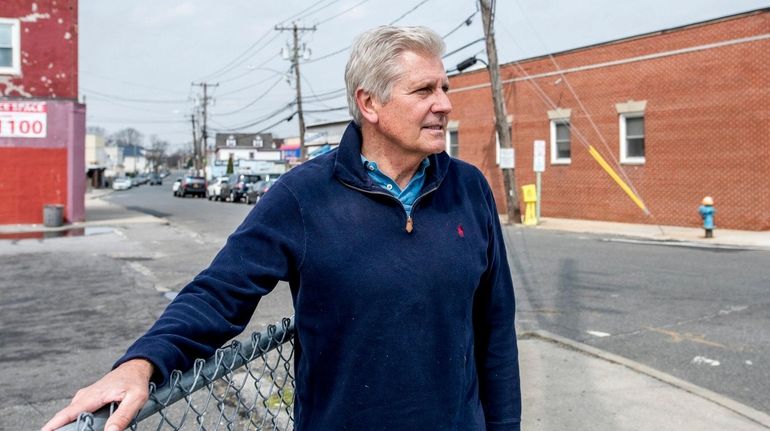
[415, 117]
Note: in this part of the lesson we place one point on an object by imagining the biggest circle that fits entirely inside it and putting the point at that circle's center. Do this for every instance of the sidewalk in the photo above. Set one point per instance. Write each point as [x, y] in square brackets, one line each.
[567, 385]
[675, 235]
[98, 213]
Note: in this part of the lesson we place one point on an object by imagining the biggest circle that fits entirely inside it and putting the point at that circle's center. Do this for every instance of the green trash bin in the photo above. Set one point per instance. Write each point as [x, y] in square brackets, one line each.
[53, 215]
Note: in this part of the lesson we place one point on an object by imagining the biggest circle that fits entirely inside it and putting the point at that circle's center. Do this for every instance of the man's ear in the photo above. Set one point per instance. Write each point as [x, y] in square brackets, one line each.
[367, 105]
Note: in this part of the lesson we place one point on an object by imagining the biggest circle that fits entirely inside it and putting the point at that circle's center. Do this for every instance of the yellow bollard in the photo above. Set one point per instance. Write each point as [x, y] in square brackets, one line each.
[530, 198]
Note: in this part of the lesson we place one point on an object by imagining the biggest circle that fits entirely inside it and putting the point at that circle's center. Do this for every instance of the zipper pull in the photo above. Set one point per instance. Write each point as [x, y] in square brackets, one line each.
[409, 224]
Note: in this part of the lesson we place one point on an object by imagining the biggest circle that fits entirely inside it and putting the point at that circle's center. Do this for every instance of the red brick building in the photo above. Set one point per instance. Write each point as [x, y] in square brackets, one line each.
[42, 125]
[679, 114]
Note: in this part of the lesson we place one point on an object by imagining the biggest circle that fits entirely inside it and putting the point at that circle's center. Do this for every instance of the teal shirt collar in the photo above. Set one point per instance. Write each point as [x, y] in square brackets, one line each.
[409, 194]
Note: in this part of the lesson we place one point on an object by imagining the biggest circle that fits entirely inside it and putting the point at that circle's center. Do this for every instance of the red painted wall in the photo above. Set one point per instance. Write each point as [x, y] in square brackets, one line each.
[50, 170]
[24, 191]
[706, 120]
[49, 49]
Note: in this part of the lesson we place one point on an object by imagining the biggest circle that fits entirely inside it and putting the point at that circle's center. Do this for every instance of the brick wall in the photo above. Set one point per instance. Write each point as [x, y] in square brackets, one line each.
[49, 49]
[706, 125]
[24, 191]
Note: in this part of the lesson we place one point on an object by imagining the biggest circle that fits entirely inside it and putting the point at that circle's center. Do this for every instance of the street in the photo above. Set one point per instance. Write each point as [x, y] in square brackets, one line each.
[696, 313]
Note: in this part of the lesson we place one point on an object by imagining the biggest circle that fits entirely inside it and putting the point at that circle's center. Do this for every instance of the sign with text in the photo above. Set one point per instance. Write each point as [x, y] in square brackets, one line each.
[23, 119]
[507, 158]
[539, 159]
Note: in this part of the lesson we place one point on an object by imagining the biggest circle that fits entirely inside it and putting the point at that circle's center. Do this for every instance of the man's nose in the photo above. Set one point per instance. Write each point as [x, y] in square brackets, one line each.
[441, 105]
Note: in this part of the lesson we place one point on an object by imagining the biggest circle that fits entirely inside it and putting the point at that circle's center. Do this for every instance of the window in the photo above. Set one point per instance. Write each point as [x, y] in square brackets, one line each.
[560, 142]
[10, 51]
[251, 155]
[453, 139]
[257, 142]
[632, 138]
[454, 144]
[631, 125]
[231, 142]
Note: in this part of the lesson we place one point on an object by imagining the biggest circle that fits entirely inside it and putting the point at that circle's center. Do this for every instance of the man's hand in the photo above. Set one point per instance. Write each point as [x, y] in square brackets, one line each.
[127, 384]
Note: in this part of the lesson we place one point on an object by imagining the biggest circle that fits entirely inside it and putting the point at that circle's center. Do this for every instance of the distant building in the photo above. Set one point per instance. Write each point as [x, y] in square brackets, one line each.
[42, 125]
[323, 137]
[250, 152]
[96, 160]
[679, 114]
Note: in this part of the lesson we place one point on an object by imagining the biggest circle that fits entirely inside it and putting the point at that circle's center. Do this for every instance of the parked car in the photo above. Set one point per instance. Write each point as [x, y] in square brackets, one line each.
[218, 189]
[257, 190]
[239, 184]
[156, 179]
[192, 185]
[121, 183]
[175, 186]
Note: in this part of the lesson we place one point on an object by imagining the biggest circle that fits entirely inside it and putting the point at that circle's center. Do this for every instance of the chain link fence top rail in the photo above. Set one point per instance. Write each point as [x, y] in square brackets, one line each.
[243, 386]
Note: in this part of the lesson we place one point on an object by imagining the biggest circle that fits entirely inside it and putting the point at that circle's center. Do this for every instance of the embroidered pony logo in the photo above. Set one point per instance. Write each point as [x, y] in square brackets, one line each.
[460, 231]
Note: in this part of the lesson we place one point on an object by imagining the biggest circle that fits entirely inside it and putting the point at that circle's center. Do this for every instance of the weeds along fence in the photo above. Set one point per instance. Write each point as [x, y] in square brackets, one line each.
[244, 386]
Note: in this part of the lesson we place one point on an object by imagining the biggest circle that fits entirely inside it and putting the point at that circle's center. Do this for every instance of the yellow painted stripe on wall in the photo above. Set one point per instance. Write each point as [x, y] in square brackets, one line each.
[611, 172]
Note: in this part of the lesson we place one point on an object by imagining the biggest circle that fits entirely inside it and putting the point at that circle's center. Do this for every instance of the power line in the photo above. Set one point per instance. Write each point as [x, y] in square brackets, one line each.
[332, 54]
[342, 13]
[302, 17]
[126, 99]
[257, 99]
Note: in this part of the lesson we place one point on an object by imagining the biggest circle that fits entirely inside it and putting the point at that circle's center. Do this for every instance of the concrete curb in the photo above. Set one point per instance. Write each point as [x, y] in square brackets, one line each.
[741, 409]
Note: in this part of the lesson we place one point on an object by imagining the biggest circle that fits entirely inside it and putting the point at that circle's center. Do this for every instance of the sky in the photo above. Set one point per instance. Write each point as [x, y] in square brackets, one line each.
[142, 62]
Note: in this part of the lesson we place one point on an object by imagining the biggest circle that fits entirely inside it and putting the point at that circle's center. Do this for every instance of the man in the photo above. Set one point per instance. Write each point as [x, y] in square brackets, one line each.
[403, 298]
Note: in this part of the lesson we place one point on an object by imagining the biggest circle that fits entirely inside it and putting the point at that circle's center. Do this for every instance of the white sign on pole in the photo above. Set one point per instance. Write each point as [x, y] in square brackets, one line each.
[23, 120]
[507, 158]
[539, 159]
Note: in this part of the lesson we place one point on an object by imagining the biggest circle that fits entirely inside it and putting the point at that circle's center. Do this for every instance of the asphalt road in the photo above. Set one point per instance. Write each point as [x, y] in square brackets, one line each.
[698, 314]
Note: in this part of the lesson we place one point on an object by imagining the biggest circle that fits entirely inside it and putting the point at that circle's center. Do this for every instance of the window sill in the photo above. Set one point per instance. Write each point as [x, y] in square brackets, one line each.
[561, 162]
[632, 161]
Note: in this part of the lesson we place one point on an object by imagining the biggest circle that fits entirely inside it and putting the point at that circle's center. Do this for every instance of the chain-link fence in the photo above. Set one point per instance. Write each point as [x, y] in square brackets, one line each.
[244, 386]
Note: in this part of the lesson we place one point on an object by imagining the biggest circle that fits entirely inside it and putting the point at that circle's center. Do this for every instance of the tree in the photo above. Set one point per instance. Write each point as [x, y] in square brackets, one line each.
[156, 155]
[230, 168]
[127, 137]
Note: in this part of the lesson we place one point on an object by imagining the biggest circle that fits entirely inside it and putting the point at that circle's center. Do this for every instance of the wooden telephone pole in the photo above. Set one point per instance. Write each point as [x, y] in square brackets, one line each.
[295, 56]
[501, 121]
[203, 148]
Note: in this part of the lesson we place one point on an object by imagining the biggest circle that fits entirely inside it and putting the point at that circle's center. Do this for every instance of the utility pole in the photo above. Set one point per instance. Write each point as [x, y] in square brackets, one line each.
[501, 122]
[295, 54]
[194, 142]
[204, 132]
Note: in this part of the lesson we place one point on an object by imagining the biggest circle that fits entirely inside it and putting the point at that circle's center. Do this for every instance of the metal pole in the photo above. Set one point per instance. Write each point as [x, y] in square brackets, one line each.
[537, 204]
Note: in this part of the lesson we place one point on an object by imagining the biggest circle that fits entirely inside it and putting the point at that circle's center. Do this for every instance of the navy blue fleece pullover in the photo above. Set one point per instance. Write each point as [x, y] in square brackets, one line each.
[396, 330]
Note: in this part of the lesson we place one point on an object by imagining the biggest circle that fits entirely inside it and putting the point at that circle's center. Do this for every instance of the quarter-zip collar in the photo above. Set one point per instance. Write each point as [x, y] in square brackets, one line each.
[349, 169]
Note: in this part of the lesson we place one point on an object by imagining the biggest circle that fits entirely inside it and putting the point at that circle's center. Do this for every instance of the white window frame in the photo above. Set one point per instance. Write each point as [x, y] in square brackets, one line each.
[15, 68]
[453, 127]
[560, 116]
[624, 158]
[630, 109]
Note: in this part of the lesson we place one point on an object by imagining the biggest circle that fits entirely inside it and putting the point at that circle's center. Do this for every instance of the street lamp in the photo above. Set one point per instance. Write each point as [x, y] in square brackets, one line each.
[468, 62]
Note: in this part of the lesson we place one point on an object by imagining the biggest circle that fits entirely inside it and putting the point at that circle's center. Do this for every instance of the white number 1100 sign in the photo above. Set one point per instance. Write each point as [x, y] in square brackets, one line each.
[23, 120]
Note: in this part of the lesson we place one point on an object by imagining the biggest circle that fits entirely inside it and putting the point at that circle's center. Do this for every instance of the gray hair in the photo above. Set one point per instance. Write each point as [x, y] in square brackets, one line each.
[374, 60]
